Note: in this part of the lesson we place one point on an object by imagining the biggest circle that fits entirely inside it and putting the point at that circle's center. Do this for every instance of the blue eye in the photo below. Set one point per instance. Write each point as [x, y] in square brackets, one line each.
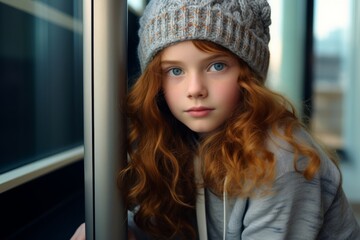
[175, 71]
[217, 67]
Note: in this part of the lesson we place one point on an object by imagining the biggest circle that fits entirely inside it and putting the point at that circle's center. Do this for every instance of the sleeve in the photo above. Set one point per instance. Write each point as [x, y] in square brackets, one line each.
[340, 221]
[294, 210]
[297, 208]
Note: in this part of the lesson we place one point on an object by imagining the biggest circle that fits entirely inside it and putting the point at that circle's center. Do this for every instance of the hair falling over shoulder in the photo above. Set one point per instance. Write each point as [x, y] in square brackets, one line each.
[159, 177]
[239, 153]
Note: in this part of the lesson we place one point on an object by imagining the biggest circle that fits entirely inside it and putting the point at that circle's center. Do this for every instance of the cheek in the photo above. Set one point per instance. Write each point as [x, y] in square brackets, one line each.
[171, 97]
[229, 95]
[232, 98]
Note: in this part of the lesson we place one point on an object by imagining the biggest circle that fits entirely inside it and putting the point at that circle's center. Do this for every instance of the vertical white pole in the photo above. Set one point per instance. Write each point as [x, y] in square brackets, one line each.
[286, 71]
[292, 74]
[105, 34]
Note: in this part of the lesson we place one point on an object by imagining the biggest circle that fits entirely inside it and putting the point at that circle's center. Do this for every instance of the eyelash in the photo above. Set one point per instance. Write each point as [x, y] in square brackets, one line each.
[224, 65]
[171, 73]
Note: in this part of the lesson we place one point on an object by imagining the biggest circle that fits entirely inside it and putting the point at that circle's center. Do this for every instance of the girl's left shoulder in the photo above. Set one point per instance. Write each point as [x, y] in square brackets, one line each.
[285, 156]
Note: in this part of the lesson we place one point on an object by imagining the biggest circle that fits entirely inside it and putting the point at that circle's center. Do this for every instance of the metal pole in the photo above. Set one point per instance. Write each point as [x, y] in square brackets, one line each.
[292, 64]
[105, 34]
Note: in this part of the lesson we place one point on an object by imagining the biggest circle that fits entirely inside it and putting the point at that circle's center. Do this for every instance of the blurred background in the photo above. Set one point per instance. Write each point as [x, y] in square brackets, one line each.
[315, 52]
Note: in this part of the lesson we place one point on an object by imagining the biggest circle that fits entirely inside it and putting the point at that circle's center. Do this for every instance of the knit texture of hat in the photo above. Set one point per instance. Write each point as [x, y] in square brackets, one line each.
[242, 26]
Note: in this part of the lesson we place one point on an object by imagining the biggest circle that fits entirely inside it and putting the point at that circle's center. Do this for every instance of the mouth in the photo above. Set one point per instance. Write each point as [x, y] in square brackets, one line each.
[199, 111]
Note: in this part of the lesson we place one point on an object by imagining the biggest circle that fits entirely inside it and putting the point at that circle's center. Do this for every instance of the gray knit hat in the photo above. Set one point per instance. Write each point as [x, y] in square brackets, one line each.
[242, 26]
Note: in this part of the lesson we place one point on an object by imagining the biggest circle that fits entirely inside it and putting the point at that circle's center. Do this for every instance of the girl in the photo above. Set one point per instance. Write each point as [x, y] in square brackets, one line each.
[214, 153]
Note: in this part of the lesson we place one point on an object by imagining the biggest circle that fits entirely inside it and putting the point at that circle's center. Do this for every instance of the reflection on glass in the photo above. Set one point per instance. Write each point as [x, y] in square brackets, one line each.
[40, 86]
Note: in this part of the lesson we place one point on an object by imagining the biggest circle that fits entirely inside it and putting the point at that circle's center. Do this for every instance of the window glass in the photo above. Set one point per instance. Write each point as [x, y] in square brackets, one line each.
[70, 8]
[330, 70]
[41, 95]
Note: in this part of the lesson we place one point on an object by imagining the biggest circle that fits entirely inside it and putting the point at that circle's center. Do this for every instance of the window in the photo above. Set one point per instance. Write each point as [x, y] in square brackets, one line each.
[41, 90]
[330, 70]
[41, 123]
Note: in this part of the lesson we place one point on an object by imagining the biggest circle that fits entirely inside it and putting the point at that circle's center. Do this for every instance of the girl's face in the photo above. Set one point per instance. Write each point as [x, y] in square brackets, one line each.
[200, 88]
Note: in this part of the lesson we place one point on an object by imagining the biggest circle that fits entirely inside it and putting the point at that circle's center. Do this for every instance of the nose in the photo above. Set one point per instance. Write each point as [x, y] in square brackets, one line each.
[197, 86]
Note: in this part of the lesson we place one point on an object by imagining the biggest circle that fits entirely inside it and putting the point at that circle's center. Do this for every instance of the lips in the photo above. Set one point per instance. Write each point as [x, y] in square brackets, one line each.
[199, 111]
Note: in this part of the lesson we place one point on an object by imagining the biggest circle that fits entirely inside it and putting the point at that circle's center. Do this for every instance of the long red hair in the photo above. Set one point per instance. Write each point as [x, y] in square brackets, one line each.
[159, 177]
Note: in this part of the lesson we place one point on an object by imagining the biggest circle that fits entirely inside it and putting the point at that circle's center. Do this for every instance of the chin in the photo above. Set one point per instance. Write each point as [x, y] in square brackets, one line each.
[203, 131]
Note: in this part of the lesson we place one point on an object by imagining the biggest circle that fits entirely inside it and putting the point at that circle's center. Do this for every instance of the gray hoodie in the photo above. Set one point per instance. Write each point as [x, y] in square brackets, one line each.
[297, 208]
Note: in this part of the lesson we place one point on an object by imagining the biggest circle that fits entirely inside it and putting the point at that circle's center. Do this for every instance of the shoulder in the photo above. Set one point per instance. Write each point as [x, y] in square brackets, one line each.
[285, 162]
[310, 205]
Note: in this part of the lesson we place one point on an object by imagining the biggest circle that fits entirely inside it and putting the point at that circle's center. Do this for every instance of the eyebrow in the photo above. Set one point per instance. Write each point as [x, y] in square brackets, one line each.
[206, 59]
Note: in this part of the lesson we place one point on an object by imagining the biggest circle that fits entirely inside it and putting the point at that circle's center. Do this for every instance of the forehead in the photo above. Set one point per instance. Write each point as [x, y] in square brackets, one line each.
[192, 50]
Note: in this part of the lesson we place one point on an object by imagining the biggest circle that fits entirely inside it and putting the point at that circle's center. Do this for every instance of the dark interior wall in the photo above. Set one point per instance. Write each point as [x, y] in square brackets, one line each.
[49, 207]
